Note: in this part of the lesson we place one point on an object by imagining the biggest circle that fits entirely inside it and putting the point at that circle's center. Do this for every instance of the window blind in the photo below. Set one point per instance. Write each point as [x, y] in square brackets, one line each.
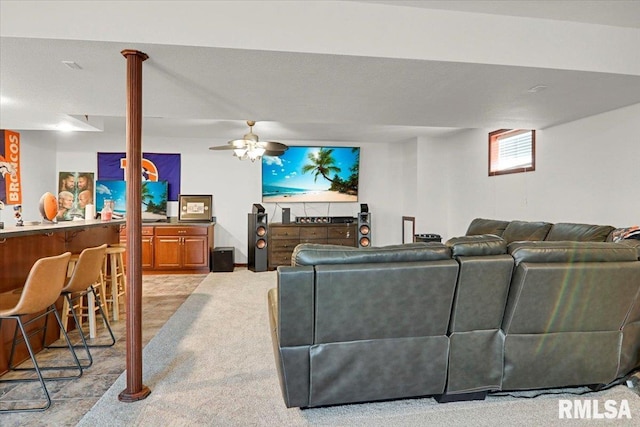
[511, 150]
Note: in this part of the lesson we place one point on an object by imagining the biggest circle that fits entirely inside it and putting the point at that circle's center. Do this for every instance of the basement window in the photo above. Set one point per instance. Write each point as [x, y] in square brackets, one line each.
[512, 151]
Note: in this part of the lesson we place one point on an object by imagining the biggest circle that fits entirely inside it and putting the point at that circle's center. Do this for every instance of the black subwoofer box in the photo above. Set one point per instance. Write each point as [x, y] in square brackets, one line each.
[222, 259]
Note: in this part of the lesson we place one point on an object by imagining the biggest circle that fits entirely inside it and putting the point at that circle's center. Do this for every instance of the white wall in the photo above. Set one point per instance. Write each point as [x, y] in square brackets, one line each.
[434, 186]
[586, 171]
[236, 185]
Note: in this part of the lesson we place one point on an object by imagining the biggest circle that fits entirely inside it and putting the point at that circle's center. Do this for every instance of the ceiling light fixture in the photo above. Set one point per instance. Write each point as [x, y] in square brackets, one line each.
[65, 127]
[250, 147]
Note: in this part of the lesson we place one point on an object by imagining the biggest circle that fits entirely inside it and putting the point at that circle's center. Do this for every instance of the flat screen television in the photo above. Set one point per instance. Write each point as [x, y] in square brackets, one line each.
[311, 174]
[154, 198]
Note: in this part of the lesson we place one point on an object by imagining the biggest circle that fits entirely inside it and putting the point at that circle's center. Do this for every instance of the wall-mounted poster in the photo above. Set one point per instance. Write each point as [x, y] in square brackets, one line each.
[75, 192]
[10, 186]
[155, 167]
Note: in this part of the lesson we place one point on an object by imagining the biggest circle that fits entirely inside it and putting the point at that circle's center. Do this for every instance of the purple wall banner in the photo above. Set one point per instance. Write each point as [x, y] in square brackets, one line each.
[155, 167]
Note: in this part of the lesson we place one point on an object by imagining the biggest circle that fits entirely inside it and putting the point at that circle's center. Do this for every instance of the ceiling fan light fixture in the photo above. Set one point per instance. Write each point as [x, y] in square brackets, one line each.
[238, 143]
[239, 152]
[255, 154]
[250, 147]
[251, 137]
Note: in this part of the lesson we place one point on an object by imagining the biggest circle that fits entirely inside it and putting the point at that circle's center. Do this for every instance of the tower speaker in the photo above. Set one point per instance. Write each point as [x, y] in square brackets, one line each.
[286, 215]
[364, 229]
[257, 208]
[257, 242]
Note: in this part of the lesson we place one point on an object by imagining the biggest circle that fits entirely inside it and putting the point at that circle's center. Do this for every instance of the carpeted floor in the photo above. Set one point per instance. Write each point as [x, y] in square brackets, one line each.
[212, 364]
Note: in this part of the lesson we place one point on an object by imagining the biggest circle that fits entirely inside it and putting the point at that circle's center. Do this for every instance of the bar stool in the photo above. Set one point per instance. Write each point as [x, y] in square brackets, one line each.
[72, 263]
[79, 307]
[38, 297]
[88, 310]
[85, 274]
[114, 278]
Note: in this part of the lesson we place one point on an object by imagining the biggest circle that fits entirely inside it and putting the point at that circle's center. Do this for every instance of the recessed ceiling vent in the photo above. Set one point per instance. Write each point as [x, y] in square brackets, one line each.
[72, 65]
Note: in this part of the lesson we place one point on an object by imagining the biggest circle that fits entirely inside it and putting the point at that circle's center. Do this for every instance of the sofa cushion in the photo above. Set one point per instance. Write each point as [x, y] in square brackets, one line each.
[565, 251]
[578, 232]
[480, 245]
[486, 226]
[526, 230]
[318, 254]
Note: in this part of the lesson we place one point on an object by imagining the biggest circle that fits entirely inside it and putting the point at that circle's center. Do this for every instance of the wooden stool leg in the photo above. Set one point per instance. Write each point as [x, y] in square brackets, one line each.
[122, 291]
[114, 287]
[65, 304]
[91, 313]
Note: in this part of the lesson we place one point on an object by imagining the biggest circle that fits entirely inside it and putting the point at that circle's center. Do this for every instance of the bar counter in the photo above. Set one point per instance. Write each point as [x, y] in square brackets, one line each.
[21, 247]
[39, 228]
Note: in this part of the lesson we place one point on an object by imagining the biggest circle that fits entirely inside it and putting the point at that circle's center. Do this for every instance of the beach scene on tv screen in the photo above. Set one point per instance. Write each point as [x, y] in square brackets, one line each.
[154, 198]
[311, 174]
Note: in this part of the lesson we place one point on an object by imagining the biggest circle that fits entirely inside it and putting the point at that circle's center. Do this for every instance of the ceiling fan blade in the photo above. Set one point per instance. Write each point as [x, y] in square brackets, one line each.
[274, 146]
[274, 153]
[222, 147]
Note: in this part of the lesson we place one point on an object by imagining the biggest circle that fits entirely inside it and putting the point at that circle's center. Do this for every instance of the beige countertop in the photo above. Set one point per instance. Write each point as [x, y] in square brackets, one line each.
[36, 227]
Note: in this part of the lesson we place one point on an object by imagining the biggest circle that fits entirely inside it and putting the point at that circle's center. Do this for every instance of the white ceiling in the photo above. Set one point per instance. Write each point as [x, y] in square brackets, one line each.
[204, 91]
[609, 12]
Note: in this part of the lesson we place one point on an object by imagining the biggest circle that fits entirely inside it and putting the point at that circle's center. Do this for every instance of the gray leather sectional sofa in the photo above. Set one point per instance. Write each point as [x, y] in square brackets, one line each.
[510, 306]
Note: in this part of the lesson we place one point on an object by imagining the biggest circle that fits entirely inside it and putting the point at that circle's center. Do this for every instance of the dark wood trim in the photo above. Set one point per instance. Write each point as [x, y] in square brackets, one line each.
[411, 219]
[501, 132]
[135, 389]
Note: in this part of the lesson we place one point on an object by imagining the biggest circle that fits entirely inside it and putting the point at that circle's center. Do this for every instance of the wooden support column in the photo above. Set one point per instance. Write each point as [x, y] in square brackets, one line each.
[135, 389]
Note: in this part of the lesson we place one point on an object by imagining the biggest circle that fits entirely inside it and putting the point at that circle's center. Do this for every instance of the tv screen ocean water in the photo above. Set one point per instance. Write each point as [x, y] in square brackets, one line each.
[311, 174]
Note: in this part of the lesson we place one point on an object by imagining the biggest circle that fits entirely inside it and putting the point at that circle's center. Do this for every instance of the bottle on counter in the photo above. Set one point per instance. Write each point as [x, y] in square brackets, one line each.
[107, 211]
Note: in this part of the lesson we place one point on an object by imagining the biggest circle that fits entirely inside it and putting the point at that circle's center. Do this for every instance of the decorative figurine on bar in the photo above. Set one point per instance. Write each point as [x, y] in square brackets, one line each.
[49, 208]
[17, 213]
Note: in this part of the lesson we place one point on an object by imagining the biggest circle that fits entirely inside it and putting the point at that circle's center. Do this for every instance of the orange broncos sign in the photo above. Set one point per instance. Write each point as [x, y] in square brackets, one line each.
[10, 185]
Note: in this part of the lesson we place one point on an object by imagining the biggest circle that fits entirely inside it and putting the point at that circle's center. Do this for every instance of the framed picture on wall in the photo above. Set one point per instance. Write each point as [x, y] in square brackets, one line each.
[75, 191]
[194, 207]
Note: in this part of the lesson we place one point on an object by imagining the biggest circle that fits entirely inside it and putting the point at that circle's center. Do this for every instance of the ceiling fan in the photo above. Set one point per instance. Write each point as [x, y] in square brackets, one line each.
[250, 147]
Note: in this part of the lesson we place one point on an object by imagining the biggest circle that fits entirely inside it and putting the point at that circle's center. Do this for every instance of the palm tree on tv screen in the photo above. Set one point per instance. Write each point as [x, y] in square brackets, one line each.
[323, 164]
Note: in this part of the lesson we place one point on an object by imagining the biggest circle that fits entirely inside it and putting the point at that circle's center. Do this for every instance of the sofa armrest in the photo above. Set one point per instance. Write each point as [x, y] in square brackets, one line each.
[477, 245]
[632, 243]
